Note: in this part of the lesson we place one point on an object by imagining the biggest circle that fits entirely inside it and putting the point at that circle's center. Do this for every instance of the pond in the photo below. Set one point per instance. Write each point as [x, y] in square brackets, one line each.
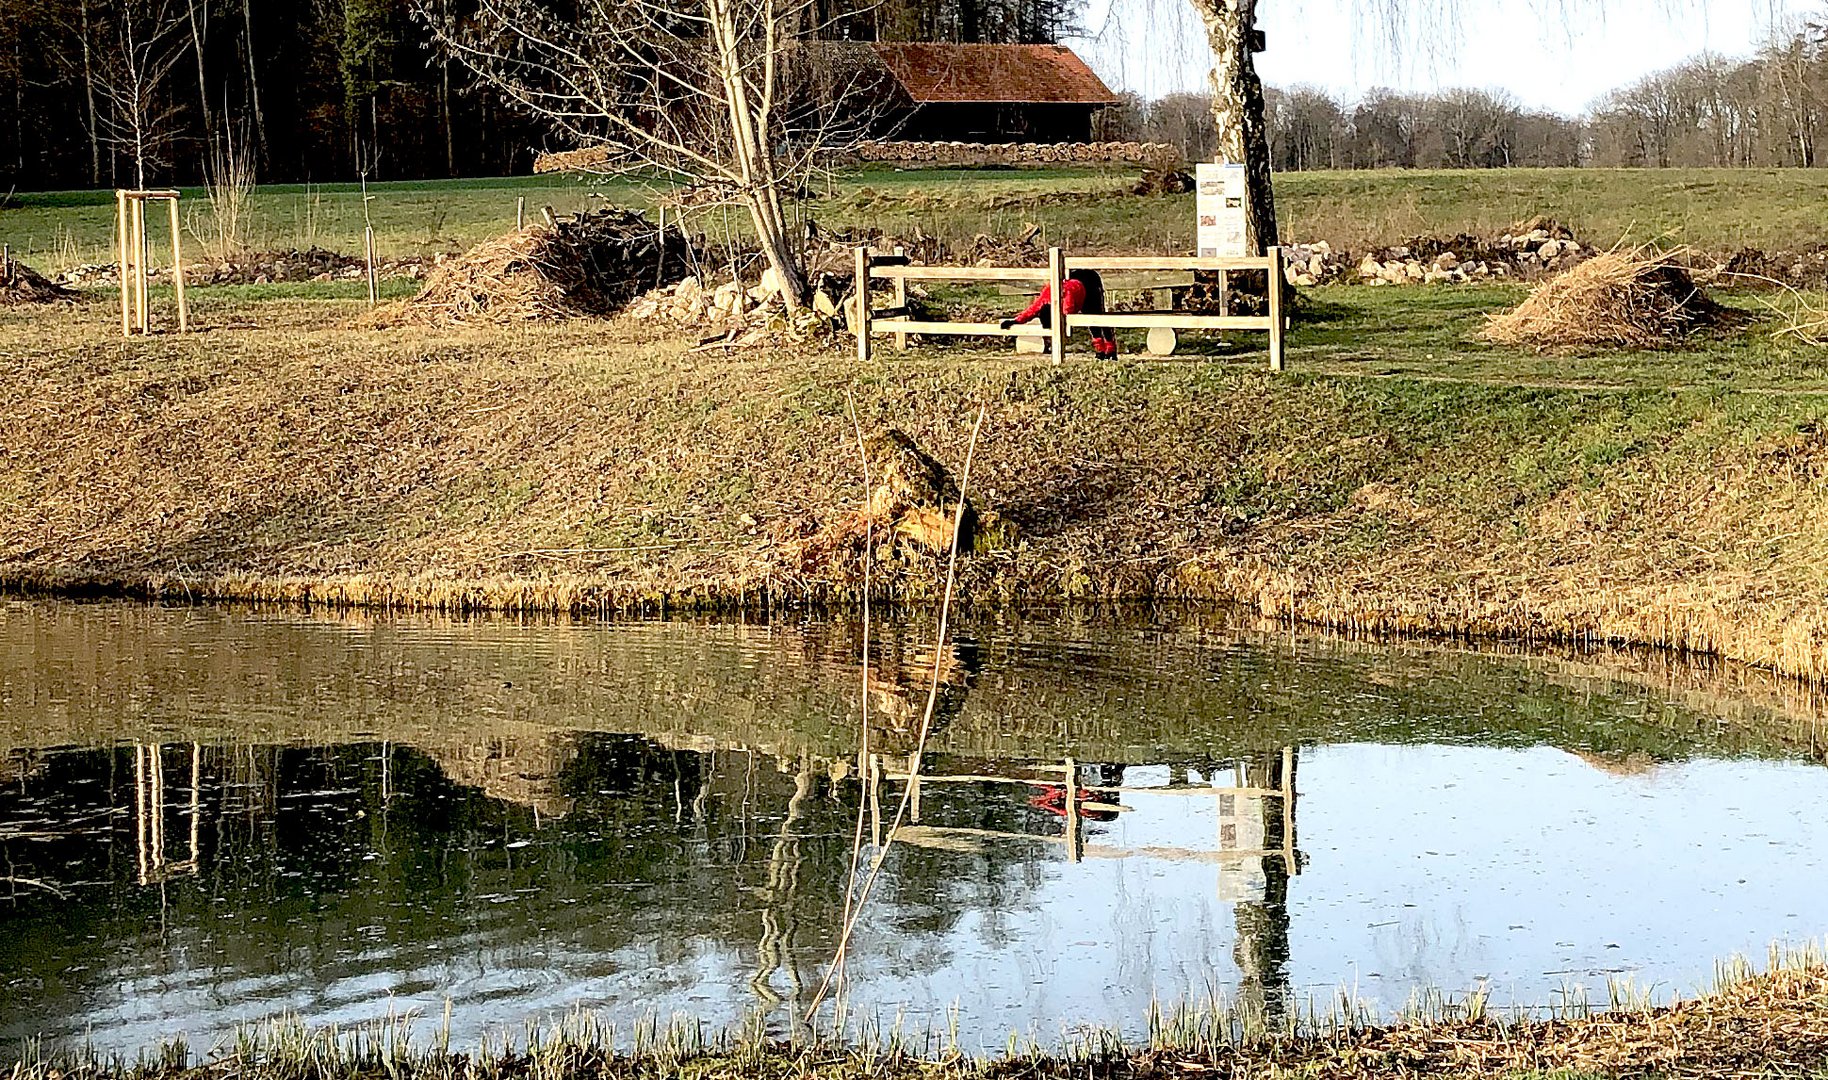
[216, 815]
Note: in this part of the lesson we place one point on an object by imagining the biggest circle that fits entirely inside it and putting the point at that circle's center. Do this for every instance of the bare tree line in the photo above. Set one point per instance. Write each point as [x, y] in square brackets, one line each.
[1769, 110]
[107, 92]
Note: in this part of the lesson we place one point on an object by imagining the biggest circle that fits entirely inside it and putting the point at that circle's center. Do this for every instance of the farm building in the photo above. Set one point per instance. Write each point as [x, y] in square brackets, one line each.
[975, 93]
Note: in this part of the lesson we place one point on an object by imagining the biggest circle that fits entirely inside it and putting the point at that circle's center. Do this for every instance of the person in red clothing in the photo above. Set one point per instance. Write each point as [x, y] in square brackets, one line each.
[1082, 293]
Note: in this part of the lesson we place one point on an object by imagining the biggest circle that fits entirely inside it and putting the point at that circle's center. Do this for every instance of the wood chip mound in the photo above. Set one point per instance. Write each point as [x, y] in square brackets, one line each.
[20, 285]
[1619, 299]
[588, 265]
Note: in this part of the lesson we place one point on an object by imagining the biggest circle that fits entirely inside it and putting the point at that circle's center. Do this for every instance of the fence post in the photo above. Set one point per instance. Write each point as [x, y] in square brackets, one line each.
[374, 285]
[862, 299]
[1277, 282]
[1056, 276]
[901, 301]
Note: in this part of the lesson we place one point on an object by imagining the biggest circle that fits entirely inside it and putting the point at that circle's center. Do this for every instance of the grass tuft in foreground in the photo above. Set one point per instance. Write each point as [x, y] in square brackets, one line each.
[1749, 1024]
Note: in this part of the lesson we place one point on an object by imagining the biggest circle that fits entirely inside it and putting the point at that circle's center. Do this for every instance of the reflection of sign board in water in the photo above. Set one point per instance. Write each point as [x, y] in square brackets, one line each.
[1242, 840]
[1220, 203]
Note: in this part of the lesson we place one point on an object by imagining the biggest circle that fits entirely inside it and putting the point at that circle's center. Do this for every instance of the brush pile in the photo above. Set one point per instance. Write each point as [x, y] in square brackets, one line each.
[20, 284]
[591, 264]
[1620, 299]
[832, 248]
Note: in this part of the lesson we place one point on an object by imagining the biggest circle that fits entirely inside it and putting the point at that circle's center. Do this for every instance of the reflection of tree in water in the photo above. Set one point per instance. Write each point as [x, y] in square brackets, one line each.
[1262, 946]
[310, 849]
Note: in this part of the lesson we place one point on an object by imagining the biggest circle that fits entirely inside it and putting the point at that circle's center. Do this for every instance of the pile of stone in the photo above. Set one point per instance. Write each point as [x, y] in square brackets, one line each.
[904, 152]
[1528, 251]
[261, 268]
[1312, 264]
[737, 315]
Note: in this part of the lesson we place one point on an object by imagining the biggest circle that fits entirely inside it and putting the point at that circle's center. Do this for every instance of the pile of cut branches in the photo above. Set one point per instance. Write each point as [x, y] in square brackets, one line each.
[591, 264]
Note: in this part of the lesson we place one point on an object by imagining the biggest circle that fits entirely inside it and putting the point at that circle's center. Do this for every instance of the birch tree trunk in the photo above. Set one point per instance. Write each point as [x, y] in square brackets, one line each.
[260, 122]
[750, 108]
[1237, 109]
[95, 128]
[199, 35]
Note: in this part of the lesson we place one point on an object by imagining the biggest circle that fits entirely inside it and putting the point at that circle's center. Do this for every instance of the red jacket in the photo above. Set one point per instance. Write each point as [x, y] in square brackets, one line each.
[1072, 300]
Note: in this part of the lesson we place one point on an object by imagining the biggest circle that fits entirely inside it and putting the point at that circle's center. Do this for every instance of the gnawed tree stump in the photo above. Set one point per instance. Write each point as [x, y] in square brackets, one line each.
[913, 496]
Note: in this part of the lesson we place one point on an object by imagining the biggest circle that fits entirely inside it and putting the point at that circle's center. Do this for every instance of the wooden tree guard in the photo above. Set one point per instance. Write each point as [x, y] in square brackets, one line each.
[130, 248]
[896, 268]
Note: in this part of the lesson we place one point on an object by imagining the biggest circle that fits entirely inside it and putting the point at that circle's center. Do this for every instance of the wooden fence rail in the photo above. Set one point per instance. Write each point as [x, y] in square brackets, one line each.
[894, 267]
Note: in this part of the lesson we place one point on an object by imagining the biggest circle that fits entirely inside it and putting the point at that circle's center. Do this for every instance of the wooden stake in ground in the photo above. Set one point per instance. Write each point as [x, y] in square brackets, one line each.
[374, 292]
[177, 271]
[131, 258]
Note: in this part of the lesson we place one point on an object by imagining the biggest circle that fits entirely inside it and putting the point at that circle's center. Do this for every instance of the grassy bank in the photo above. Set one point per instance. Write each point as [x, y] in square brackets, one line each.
[1401, 478]
[1773, 1024]
[1712, 209]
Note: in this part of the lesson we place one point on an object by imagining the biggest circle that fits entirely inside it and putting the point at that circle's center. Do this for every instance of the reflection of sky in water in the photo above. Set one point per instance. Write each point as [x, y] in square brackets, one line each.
[1426, 866]
[1431, 858]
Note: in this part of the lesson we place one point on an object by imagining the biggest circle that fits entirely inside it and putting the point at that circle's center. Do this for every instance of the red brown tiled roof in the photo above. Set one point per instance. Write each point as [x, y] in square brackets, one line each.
[1012, 74]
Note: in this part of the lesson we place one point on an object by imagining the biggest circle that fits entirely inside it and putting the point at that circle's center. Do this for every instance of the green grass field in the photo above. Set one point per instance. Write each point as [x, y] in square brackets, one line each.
[1716, 210]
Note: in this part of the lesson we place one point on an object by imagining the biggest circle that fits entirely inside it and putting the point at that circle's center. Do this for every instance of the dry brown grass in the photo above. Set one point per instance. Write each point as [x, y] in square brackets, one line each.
[605, 467]
[1629, 299]
[1751, 1026]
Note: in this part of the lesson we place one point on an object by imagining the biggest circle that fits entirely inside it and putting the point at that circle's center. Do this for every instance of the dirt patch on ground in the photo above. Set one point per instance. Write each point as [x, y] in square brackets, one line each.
[20, 284]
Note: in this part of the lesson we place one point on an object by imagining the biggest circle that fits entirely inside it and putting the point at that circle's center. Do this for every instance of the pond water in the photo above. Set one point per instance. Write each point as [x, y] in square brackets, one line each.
[209, 816]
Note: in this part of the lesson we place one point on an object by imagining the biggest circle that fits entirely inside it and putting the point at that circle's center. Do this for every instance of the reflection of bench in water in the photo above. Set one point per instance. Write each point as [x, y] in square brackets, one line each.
[1255, 815]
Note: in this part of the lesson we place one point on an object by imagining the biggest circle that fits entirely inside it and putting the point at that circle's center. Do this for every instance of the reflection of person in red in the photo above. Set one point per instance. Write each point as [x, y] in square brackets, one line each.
[1092, 806]
[1082, 293]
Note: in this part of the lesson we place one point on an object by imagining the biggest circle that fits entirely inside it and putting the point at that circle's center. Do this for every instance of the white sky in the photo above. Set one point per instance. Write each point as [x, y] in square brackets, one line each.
[1554, 54]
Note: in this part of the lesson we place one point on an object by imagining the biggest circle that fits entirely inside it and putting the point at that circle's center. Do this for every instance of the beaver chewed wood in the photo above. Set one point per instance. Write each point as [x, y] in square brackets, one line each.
[913, 495]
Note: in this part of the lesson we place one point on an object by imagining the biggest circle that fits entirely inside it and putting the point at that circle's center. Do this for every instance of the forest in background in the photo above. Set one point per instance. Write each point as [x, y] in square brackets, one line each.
[95, 93]
[102, 93]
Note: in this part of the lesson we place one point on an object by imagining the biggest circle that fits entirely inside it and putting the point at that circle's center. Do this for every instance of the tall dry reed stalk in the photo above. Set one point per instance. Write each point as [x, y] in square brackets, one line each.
[229, 187]
[854, 911]
[836, 981]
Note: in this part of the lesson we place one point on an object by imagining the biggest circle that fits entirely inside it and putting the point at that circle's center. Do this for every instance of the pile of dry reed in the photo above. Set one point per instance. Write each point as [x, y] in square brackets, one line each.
[1620, 299]
[20, 284]
[591, 264]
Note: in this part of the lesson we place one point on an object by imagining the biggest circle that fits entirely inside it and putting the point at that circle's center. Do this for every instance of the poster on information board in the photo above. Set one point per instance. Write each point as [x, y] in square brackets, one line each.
[1220, 203]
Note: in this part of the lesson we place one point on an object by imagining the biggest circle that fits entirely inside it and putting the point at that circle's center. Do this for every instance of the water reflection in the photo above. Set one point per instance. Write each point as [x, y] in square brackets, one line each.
[660, 821]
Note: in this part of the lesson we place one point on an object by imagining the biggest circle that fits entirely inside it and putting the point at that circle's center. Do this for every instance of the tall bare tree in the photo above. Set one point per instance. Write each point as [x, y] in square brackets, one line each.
[1238, 109]
[142, 119]
[709, 91]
